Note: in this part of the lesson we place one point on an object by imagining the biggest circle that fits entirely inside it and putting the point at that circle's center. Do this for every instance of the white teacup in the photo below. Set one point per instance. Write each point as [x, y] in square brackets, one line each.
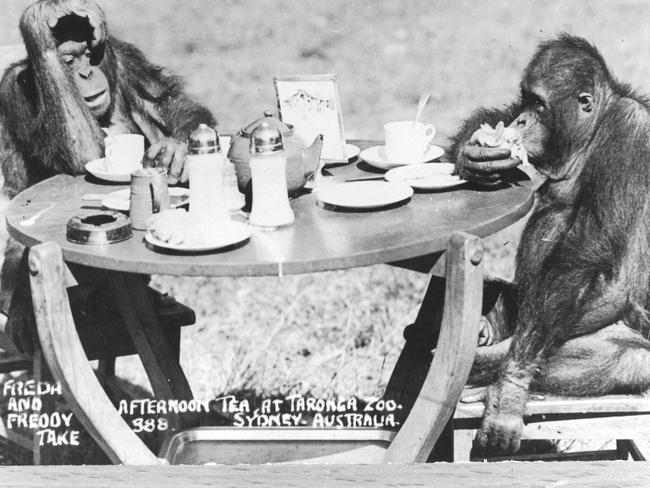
[406, 142]
[123, 152]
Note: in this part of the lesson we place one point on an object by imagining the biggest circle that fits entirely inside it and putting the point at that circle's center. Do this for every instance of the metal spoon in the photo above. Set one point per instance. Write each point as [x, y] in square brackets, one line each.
[32, 220]
[422, 102]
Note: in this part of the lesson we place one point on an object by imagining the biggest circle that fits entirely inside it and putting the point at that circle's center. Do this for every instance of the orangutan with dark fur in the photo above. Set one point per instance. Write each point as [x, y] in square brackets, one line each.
[76, 80]
[578, 309]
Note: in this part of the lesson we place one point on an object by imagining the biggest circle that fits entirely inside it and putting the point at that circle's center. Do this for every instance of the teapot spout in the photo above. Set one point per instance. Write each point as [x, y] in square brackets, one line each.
[311, 154]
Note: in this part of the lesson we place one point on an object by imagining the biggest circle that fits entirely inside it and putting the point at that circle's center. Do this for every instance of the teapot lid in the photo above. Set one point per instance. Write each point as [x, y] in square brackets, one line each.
[269, 120]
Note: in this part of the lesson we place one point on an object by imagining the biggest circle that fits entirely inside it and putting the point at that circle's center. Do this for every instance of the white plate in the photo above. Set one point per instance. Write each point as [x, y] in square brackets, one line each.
[351, 151]
[365, 194]
[96, 168]
[428, 176]
[120, 199]
[376, 156]
[233, 233]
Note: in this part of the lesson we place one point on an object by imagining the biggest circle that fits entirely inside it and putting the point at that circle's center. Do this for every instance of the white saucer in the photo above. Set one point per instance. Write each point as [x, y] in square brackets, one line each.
[233, 233]
[351, 151]
[427, 176]
[365, 194]
[376, 156]
[121, 199]
[97, 169]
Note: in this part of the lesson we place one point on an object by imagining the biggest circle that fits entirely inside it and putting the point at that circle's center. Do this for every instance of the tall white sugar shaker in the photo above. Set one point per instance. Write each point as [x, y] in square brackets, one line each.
[268, 165]
[206, 166]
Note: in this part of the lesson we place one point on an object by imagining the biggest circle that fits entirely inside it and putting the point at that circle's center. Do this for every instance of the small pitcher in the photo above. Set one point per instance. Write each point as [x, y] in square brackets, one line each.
[149, 195]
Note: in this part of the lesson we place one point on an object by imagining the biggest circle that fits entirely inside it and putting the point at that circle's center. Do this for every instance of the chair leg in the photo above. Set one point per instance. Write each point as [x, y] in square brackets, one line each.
[44, 455]
[105, 372]
[443, 450]
[106, 368]
[627, 448]
[463, 440]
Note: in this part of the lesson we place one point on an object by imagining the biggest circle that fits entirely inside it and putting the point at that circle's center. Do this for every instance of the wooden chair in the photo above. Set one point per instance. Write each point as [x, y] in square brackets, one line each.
[591, 422]
[587, 422]
[412, 443]
[623, 418]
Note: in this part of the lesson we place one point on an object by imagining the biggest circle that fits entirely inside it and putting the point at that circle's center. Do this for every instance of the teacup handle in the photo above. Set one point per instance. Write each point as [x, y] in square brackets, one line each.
[108, 145]
[429, 132]
[109, 140]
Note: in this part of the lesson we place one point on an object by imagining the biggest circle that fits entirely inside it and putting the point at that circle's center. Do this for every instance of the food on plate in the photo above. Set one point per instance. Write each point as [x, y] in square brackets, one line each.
[501, 136]
[177, 226]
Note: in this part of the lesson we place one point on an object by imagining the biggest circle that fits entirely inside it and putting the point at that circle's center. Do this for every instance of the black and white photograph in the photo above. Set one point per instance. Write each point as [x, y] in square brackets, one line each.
[345, 243]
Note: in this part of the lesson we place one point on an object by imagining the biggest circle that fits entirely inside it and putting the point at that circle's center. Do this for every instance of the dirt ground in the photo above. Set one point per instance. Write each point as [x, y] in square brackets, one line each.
[339, 333]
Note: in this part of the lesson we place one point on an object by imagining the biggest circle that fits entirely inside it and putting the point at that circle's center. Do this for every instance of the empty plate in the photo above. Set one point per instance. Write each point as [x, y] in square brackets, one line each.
[428, 176]
[376, 156]
[364, 195]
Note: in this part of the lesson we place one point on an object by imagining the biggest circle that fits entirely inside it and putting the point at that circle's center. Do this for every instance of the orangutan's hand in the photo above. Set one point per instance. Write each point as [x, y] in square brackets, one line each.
[485, 166]
[170, 154]
[503, 421]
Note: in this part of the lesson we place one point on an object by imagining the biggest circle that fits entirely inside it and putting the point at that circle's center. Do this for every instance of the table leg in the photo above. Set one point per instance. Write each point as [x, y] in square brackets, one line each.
[158, 356]
[415, 358]
[421, 337]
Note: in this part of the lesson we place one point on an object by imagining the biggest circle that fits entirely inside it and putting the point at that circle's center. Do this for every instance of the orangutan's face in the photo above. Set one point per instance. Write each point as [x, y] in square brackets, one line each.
[90, 79]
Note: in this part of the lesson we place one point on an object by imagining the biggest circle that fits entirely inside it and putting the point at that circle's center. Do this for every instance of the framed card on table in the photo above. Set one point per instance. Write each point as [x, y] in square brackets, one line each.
[311, 103]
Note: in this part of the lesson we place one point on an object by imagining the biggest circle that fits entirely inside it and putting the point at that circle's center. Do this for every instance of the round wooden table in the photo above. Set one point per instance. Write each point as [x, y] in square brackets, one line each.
[319, 240]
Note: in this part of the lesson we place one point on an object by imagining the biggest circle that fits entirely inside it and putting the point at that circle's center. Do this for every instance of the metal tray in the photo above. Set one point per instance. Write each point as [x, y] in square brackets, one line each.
[261, 445]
